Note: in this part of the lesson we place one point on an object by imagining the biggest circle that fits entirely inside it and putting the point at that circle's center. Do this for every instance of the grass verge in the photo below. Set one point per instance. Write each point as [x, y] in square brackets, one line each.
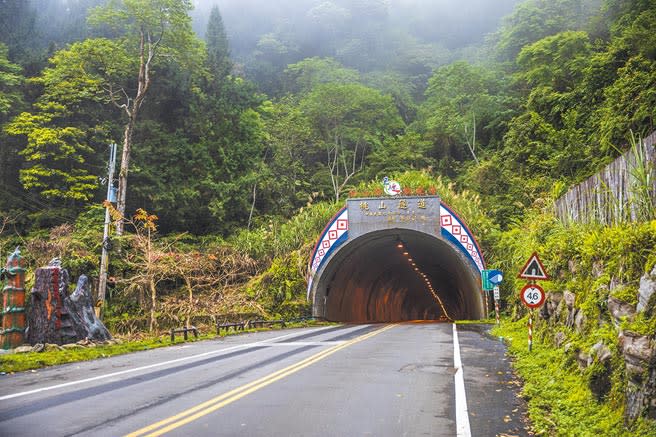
[10, 363]
[559, 400]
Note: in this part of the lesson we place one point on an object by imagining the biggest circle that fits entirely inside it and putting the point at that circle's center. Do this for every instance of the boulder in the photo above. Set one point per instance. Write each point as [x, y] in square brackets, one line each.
[614, 284]
[23, 349]
[638, 350]
[550, 308]
[559, 338]
[80, 307]
[71, 346]
[49, 347]
[579, 321]
[619, 309]
[639, 353]
[600, 377]
[583, 359]
[600, 352]
[646, 289]
[570, 298]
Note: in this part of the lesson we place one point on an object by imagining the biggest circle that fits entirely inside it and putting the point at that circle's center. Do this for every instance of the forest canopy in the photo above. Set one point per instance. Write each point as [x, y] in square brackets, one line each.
[237, 113]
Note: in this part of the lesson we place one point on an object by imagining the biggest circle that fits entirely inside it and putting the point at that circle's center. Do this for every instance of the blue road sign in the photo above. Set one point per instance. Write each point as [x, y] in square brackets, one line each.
[495, 276]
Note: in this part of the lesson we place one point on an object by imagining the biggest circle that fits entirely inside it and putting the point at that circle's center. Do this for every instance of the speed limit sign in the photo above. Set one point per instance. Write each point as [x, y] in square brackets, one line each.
[532, 295]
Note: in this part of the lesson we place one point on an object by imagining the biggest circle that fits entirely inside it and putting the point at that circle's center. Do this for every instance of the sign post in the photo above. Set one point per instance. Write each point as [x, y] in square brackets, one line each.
[532, 294]
[490, 280]
[533, 297]
[497, 295]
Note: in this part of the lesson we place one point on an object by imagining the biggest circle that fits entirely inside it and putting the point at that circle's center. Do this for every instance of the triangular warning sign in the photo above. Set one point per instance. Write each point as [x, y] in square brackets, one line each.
[533, 269]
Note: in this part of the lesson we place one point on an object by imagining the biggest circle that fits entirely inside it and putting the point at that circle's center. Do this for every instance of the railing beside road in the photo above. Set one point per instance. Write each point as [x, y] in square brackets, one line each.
[239, 326]
[184, 331]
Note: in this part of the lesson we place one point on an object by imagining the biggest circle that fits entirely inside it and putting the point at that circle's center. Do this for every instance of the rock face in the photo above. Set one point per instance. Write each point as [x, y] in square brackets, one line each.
[639, 352]
[549, 310]
[57, 318]
[646, 290]
[619, 309]
[569, 298]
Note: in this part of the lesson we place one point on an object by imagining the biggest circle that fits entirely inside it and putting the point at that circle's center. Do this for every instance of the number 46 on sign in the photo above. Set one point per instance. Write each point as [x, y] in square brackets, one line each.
[532, 295]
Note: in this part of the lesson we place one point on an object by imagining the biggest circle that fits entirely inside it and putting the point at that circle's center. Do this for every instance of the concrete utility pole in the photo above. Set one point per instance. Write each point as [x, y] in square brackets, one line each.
[106, 244]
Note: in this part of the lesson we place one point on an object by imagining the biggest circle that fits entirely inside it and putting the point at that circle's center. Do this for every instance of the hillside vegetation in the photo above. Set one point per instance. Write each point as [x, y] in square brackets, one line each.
[236, 147]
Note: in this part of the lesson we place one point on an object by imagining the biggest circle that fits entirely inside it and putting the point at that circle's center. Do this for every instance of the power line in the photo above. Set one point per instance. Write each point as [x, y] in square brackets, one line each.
[29, 201]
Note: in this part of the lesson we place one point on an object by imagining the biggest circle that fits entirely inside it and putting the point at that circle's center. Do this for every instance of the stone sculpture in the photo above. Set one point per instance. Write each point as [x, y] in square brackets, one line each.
[54, 316]
[12, 331]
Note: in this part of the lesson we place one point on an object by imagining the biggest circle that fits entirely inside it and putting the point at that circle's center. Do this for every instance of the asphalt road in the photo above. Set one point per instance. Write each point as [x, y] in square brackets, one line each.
[407, 379]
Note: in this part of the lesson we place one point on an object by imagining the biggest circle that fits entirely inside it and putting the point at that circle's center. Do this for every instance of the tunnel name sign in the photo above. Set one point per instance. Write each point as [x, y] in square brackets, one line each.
[375, 213]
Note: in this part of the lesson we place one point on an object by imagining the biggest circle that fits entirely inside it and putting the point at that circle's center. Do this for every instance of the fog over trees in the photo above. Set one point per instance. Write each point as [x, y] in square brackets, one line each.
[271, 103]
[410, 37]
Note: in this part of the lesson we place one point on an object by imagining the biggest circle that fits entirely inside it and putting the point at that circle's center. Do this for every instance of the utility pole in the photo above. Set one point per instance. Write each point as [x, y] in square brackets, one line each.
[106, 243]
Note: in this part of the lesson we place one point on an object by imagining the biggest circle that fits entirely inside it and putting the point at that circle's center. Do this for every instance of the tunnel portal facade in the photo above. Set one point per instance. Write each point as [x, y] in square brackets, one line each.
[395, 259]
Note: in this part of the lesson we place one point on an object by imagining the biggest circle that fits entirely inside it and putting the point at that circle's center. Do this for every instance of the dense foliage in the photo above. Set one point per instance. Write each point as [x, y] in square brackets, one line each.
[242, 139]
[593, 263]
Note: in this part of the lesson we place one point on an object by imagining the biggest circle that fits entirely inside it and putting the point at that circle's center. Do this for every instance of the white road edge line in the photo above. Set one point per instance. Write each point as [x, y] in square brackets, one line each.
[462, 415]
[150, 366]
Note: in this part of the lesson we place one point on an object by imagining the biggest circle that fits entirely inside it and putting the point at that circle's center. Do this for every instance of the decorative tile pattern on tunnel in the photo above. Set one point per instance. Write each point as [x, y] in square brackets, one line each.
[333, 235]
[336, 232]
[460, 234]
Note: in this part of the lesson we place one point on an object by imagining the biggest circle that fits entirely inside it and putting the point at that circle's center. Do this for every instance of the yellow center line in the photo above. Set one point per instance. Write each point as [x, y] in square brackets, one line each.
[221, 401]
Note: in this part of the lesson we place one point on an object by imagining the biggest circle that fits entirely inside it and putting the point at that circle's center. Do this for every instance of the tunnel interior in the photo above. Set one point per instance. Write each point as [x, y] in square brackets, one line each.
[397, 275]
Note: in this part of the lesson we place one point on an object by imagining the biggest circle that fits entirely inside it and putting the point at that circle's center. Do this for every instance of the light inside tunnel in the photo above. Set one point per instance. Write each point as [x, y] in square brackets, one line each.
[397, 275]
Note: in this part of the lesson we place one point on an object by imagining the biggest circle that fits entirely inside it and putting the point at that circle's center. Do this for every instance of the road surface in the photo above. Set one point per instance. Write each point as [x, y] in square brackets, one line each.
[409, 379]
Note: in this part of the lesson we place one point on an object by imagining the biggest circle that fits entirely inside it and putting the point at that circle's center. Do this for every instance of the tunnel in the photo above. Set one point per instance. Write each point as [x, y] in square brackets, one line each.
[394, 270]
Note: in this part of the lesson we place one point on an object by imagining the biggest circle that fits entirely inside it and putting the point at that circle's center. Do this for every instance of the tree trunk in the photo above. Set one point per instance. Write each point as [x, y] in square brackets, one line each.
[250, 215]
[143, 83]
[123, 174]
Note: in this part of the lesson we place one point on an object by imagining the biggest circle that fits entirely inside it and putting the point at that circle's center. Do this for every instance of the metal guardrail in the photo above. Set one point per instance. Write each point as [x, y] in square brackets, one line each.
[265, 323]
[184, 331]
[239, 326]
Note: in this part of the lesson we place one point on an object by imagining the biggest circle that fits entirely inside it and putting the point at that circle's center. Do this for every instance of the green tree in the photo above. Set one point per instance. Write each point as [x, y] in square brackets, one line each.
[557, 61]
[348, 121]
[149, 31]
[399, 154]
[11, 102]
[66, 126]
[533, 20]
[463, 104]
[305, 75]
[630, 103]
[218, 49]
[290, 158]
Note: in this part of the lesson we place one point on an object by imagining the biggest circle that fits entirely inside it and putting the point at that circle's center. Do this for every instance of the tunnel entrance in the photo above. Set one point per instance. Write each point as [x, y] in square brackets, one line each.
[396, 259]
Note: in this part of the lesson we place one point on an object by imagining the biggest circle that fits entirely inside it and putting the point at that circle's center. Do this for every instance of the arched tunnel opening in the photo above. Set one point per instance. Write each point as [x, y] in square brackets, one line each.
[397, 275]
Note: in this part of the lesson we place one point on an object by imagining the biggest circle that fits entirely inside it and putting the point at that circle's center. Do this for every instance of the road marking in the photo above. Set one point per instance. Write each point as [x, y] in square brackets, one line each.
[151, 366]
[462, 415]
[305, 343]
[207, 407]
